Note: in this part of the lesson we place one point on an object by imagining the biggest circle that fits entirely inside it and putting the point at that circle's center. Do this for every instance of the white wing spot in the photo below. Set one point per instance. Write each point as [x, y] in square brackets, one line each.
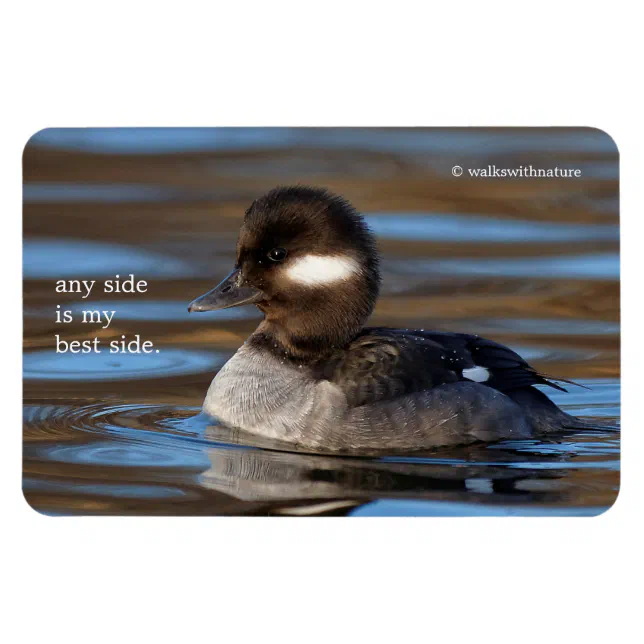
[477, 374]
[314, 270]
[484, 486]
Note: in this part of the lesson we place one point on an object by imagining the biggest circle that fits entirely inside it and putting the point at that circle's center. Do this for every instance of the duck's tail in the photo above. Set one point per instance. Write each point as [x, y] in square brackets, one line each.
[546, 417]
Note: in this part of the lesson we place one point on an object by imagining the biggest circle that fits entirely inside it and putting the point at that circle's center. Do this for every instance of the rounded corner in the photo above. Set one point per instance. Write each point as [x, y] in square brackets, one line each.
[31, 138]
[610, 137]
[612, 505]
[32, 507]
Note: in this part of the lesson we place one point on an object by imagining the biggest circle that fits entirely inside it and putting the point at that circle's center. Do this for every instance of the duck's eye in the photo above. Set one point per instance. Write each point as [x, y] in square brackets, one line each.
[277, 254]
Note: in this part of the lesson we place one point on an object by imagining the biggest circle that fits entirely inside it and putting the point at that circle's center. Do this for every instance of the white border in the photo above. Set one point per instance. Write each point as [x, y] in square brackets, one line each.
[101, 580]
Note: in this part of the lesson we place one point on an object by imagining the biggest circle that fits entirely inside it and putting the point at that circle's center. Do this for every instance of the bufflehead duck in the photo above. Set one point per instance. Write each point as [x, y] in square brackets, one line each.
[313, 376]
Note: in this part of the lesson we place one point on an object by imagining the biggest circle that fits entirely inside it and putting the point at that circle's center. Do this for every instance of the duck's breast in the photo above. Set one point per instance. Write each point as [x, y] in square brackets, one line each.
[259, 393]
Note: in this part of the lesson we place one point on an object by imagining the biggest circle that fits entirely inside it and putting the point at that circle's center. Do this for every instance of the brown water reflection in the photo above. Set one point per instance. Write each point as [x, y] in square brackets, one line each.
[532, 263]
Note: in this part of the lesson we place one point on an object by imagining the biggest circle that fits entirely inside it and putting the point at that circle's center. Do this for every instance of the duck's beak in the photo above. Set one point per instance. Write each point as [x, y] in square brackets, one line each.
[226, 295]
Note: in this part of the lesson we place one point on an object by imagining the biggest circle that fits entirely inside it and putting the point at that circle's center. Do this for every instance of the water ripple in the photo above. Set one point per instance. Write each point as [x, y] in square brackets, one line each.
[46, 364]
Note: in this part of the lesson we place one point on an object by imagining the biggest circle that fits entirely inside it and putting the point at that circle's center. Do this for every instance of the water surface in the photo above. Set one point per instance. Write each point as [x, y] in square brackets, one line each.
[532, 263]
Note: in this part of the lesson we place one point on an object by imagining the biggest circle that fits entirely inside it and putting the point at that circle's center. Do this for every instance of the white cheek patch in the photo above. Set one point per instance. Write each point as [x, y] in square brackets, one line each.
[316, 270]
[477, 374]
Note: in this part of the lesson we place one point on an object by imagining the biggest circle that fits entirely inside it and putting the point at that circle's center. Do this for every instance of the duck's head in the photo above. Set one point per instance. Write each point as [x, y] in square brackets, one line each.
[308, 261]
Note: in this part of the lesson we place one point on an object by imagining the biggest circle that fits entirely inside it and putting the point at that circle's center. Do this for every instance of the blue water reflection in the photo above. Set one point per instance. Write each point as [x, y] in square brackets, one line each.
[455, 227]
[599, 266]
[408, 140]
[61, 258]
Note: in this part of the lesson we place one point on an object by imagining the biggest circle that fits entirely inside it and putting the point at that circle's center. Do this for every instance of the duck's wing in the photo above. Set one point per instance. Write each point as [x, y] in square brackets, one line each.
[382, 364]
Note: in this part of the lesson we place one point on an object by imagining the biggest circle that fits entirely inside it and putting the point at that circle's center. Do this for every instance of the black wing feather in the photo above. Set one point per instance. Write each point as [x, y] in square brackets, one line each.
[508, 370]
[384, 363]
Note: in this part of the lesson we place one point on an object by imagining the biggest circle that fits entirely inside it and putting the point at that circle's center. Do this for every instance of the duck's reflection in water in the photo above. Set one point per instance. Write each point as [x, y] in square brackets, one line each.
[319, 484]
